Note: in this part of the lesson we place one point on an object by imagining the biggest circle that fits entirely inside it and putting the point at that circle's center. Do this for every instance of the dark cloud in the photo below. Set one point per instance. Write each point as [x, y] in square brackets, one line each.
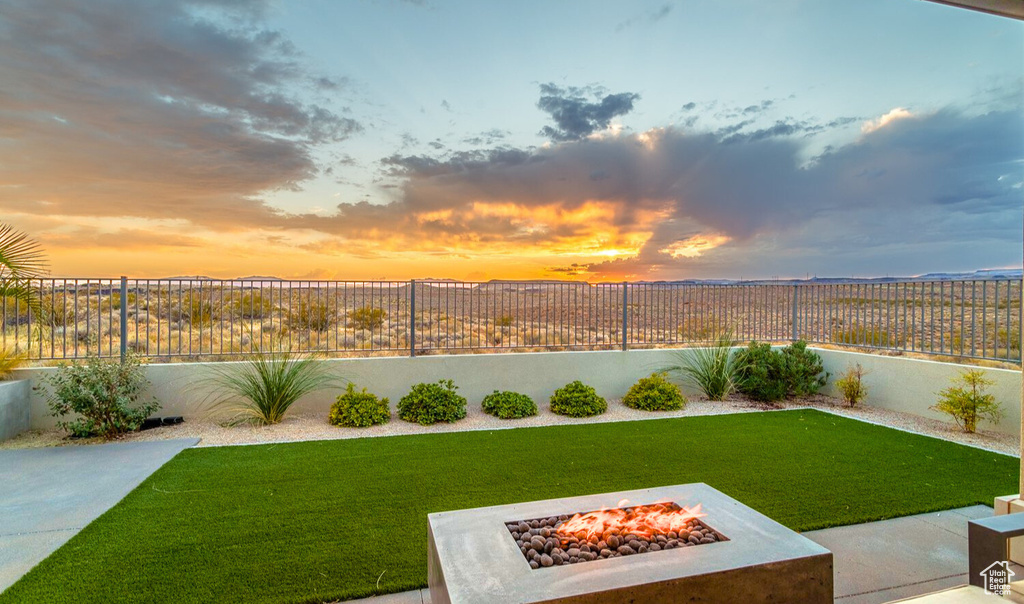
[650, 17]
[154, 109]
[689, 106]
[579, 112]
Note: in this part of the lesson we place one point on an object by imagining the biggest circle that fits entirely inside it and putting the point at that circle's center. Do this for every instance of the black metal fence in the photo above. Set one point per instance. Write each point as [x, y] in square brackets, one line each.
[199, 319]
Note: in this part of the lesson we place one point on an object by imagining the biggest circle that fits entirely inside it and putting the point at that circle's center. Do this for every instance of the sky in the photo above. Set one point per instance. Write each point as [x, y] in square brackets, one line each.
[473, 140]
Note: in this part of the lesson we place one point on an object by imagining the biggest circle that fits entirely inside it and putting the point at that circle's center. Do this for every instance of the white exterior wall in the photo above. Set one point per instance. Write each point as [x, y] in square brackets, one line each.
[897, 383]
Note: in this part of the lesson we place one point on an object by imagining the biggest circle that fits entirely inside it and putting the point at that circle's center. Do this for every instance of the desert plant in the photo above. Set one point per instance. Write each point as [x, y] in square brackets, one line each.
[21, 260]
[576, 399]
[508, 405]
[805, 373]
[359, 409]
[103, 394]
[367, 318]
[504, 321]
[197, 309]
[654, 393]
[966, 401]
[761, 373]
[710, 369]
[430, 403]
[10, 360]
[851, 385]
[859, 335]
[253, 305]
[261, 389]
[311, 315]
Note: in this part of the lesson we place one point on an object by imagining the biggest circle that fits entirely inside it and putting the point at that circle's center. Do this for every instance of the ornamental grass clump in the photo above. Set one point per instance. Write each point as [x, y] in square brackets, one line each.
[508, 405]
[966, 401]
[359, 409]
[576, 399]
[103, 395]
[429, 403]
[261, 389]
[654, 393]
[711, 369]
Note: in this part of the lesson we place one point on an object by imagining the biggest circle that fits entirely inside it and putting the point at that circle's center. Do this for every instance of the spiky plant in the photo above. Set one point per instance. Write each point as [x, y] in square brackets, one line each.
[10, 360]
[710, 369]
[21, 260]
[261, 389]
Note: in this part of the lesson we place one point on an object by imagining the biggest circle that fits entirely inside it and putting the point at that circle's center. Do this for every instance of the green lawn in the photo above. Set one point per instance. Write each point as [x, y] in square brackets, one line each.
[311, 522]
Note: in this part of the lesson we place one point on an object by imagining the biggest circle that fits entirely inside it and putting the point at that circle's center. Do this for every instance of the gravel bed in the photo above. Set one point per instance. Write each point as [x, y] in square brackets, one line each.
[302, 427]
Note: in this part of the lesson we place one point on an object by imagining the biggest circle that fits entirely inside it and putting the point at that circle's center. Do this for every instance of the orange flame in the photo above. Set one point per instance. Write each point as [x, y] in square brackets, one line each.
[641, 520]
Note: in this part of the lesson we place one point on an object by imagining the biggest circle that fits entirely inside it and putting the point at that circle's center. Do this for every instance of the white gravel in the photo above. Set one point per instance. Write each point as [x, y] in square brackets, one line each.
[306, 427]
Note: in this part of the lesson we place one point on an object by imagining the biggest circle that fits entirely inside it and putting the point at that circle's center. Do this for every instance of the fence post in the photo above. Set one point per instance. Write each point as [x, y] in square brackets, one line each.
[625, 315]
[412, 317]
[796, 300]
[124, 318]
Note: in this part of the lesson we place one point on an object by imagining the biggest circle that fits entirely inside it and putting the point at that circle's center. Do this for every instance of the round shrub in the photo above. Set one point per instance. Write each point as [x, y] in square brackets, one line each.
[359, 409]
[654, 393]
[431, 403]
[509, 405]
[576, 399]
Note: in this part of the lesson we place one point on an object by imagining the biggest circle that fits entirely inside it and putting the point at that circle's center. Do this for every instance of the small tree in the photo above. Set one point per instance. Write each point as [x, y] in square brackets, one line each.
[966, 402]
[851, 385]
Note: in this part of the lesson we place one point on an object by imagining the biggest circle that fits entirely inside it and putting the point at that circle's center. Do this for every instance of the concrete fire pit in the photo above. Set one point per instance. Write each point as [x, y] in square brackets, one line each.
[472, 557]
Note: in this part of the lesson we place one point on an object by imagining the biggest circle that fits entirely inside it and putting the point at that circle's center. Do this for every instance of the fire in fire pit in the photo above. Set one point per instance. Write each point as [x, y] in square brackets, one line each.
[610, 533]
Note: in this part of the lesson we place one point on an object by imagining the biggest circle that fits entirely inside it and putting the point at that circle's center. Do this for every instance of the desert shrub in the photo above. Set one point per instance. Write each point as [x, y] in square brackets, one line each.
[261, 389]
[103, 394]
[859, 335]
[770, 375]
[654, 393]
[805, 374]
[966, 401]
[197, 309]
[851, 385]
[253, 305]
[367, 318]
[712, 369]
[761, 373]
[576, 399]
[429, 403]
[509, 405]
[359, 409]
[311, 315]
[504, 321]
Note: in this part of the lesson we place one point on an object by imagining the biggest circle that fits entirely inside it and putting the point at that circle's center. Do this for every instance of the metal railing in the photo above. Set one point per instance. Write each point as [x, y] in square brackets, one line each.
[202, 318]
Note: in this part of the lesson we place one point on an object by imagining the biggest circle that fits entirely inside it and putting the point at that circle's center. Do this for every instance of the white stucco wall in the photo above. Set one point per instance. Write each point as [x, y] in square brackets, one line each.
[898, 383]
[912, 385]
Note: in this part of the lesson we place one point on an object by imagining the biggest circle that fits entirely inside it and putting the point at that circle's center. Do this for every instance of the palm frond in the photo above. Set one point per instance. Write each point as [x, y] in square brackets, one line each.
[20, 257]
[10, 360]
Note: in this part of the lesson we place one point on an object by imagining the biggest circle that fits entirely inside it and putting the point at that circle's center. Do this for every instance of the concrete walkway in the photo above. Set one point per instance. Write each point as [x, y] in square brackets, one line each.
[47, 495]
[874, 562]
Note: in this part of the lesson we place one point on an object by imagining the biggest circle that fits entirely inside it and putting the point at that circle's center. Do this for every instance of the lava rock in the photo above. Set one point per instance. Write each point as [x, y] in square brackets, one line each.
[613, 541]
[625, 550]
[655, 547]
[538, 544]
[524, 528]
[534, 565]
[635, 544]
[545, 532]
[573, 552]
[707, 540]
[546, 560]
[694, 539]
[605, 552]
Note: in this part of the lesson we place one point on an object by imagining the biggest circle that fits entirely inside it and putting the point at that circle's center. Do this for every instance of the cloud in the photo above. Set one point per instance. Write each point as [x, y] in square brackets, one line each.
[897, 113]
[577, 117]
[156, 109]
[650, 17]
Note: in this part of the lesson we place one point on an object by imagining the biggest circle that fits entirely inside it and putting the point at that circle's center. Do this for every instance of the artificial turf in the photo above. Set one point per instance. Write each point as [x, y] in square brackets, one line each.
[318, 521]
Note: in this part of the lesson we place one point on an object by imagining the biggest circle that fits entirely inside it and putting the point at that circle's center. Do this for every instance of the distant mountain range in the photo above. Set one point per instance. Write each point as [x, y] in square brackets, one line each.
[980, 275]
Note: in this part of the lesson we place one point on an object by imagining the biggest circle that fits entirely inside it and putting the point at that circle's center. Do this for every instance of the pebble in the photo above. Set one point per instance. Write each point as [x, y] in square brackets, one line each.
[546, 560]
[534, 565]
[613, 541]
[625, 550]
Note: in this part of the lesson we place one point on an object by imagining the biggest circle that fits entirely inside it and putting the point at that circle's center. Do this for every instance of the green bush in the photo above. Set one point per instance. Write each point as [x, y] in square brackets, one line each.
[103, 394]
[851, 385]
[576, 399]
[359, 409]
[367, 318]
[654, 393]
[431, 403]
[770, 375]
[509, 405]
[966, 401]
[761, 373]
[805, 374]
[311, 315]
[253, 305]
